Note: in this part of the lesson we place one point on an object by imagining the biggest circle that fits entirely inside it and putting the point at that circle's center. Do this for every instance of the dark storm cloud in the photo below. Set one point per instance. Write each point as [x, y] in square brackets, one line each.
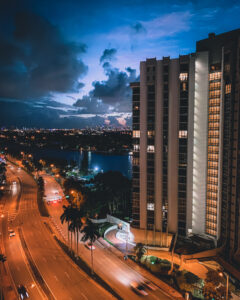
[115, 90]
[36, 60]
[30, 115]
[113, 93]
[108, 55]
[91, 105]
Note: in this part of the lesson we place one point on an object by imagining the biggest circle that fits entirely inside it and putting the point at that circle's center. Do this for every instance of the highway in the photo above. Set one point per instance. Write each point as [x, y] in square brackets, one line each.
[34, 258]
[111, 268]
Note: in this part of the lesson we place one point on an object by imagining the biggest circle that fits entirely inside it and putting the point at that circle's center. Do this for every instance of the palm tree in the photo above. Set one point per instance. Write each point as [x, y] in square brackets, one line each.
[76, 223]
[66, 216]
[140, 250]
[90, 232]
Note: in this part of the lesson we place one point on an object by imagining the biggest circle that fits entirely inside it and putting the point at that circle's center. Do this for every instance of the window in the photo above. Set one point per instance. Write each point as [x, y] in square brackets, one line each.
[227, 68]
[228, 88]
[214, 76]
[183, 76]
[150, 148]
[136, 133]
[184, 87]
[182, 134]
[136, 147]
[150, 206]
[151, 133]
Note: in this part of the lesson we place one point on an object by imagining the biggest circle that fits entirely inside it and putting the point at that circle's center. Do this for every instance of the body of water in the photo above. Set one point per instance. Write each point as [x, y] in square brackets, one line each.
[100, 161]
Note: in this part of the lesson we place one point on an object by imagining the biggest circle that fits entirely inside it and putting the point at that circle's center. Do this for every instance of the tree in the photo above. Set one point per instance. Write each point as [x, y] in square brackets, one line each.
[66, 216]
[214, 277]
[214, 287]
[90, 232]
[116, 189]
[140, 250]
[191, 278]
[76, 223]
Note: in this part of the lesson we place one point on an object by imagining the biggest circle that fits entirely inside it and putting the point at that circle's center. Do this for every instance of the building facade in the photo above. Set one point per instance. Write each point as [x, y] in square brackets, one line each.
[161, 104]
[186, 143]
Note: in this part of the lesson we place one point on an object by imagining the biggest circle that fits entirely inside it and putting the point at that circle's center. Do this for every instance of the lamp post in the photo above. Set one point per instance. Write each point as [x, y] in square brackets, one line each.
[227, 277]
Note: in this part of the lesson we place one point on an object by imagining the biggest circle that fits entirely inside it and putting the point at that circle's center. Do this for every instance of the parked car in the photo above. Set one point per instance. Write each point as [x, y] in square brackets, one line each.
[138, 288]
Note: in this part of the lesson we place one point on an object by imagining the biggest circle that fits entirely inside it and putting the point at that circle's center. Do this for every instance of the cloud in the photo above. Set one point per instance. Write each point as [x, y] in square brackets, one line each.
[36, 60]
[108, 55]
[114, 93]
[115, 90]
[138, 28]
[165, 26]
[38, 115]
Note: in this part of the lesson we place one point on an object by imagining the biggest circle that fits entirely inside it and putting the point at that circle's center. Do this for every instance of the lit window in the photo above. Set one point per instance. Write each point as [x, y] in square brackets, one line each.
[151, 133]
[150, 206]
[215, 76]
[183, 76]
[136, 147]
[182, 134]
[184, 86]
[150, 148]
[228, 88]
[136, 133]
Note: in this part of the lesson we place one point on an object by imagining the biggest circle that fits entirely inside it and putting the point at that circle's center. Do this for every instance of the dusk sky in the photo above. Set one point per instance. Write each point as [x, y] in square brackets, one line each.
[68, 63]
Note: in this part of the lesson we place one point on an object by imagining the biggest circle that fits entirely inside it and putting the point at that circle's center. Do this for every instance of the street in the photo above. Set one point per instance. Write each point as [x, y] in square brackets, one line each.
[107, 265]
[55, 276]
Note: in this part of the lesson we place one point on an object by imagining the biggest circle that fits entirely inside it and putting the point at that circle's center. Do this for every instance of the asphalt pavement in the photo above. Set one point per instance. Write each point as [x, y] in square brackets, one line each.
[63, 279]
[107, 265]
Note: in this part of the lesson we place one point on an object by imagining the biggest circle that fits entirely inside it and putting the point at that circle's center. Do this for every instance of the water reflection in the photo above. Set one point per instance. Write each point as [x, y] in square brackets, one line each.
[102, 161]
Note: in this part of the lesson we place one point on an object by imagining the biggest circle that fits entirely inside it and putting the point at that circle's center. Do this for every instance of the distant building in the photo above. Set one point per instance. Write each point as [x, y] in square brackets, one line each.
[186, 143]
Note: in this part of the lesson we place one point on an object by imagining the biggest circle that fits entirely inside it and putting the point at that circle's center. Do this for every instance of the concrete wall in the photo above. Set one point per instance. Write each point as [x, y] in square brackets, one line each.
[114, 220]
[143, 146]
[191, 89]
[158, 146]
[161, 239]
[173, 146]
[200, 143]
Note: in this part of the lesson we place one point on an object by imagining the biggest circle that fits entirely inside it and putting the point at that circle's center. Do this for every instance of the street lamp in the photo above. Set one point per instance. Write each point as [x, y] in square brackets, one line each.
[227, 276]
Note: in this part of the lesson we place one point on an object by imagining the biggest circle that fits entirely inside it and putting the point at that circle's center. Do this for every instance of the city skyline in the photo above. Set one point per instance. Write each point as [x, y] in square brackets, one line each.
[81, 78]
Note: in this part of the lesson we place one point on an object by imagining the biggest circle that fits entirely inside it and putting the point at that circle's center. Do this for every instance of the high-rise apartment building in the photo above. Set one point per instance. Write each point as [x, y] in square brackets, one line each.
[186, 142]
[162, 107]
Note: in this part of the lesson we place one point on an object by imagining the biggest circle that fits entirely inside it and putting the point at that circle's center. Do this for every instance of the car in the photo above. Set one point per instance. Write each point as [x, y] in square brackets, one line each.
[22, 291]
[148, 284]
[11, 232]
[138, 288]
[90, 246]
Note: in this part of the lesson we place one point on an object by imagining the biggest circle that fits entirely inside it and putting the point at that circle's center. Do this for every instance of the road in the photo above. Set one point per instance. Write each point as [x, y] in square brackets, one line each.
[106, 264]
[42, 266]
